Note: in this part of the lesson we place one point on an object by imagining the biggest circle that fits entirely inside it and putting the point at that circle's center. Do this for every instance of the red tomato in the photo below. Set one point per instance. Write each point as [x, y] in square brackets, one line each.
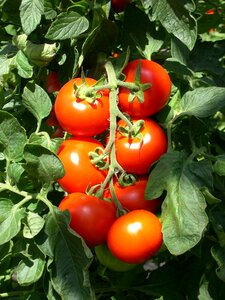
[79, 171]
[135, 155]
[119, 5]
[132, 196]
[135, 236]
[52, 120]
[155, 97]
[52, 83]
[78, 116]
[91, 217]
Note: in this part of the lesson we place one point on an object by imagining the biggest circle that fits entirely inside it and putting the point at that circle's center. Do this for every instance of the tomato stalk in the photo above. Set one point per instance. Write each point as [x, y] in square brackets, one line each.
[114, 166]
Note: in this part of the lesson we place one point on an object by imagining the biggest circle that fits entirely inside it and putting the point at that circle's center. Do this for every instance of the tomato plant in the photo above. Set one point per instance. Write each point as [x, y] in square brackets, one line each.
[137, 154]
[165, 60]
[132, 197]
[155, 97]
[81, 114]
[135, 236]
[80, 173]
[91, 217]
[109, 261]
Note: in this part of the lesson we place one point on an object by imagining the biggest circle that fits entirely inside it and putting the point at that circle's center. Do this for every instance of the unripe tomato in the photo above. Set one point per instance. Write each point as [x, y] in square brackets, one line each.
[155, 97]
[91, 217]
[82, 116]
[135, 154]
[135, 236]
[79, 171]
[106, 258]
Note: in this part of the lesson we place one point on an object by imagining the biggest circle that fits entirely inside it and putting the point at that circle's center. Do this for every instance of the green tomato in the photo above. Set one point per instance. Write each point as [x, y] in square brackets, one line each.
[106, 258]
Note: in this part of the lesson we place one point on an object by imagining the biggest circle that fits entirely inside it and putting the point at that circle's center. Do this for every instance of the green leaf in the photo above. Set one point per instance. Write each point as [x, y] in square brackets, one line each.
[72, 258]
[218, 254]
[30, 14]
[42, 164]
[37, 101]
[14, 172]
[5, 65]
[67, 25]
[219, 166]
[25, 70]
[5, 207]
[31, 267]
[12, 136]
[11, 225]
[203, 102]
[177, 19]
[43, 139]
[33, 225]
[183, 210]
[49, 11]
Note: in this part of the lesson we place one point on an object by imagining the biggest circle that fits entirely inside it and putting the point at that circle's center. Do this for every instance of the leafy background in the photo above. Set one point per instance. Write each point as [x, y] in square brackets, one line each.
[40, 257]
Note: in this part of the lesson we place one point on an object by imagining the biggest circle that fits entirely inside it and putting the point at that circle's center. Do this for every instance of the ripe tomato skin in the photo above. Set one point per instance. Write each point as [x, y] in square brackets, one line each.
[91, 217]
[135, 236]
[52, 82]
[106, 258]
[79, 171]
[79, 117]
[155, 98]
[132, 196]
[119, 5]
[136, 156]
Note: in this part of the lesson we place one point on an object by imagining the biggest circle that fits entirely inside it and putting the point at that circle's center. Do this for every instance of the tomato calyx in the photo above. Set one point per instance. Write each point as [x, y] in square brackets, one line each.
[126, 179]
[99, 159]
[132, 132]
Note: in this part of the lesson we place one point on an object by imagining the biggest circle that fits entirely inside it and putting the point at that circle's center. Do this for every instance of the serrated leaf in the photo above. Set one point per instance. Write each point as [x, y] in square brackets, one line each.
[72, 258]
[30, 14]
[67, 25]
[183, 210]
[203, 102]
[31, 267]
[37, 101]
[33, 225]
[11, 225]
[25, 70]
[177, 19]
[12, 136]
[42, 164]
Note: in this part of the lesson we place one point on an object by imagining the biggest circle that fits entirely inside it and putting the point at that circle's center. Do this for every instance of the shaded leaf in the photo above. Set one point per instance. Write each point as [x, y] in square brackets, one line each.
[42, 164]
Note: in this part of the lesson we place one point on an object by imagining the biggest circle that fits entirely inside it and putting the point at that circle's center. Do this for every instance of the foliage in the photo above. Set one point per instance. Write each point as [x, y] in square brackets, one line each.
[40, 256]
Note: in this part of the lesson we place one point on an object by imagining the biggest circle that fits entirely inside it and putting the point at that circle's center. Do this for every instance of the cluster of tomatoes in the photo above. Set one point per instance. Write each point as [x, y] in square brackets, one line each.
[83, 110]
